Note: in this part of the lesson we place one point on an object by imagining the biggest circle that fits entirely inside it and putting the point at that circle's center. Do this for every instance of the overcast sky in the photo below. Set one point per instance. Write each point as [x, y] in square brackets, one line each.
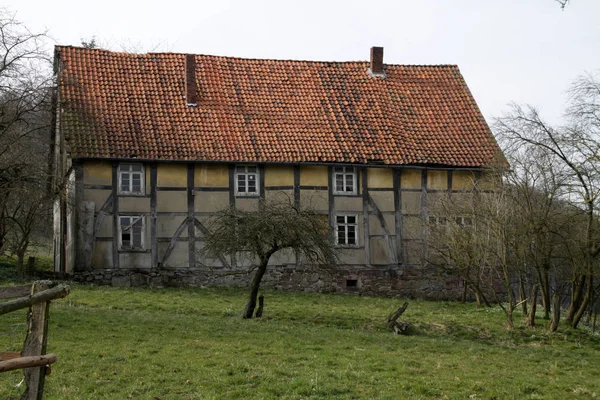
[526, 51]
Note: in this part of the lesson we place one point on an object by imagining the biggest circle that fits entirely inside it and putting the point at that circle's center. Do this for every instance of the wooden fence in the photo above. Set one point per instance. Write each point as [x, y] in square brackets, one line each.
[33, 358]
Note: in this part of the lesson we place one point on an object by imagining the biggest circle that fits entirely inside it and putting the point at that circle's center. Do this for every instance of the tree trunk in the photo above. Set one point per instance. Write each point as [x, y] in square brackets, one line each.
[545, 287]
[522, 295]
[480, 297]
[261, 304]
[584, 303]
[576, 293]
[20, 265]
[533, 308]
[555, 312]
[254, 286]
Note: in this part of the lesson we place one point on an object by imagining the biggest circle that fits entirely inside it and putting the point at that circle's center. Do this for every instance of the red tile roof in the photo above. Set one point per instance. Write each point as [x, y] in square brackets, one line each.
[119, 105]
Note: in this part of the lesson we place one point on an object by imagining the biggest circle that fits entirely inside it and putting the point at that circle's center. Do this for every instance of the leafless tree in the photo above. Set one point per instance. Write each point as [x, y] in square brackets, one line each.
[25, 120]
[275, 227]
[575, 149]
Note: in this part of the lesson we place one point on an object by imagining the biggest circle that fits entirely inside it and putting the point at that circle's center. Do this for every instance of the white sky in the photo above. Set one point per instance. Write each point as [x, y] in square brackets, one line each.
[526, 51]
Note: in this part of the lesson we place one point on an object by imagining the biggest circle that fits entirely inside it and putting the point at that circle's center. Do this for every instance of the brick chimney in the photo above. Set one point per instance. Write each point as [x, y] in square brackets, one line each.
[376, 66]
[191, 90]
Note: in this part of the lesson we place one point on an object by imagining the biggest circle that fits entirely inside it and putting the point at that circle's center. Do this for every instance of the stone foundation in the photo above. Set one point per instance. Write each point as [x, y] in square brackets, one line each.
[394, 281]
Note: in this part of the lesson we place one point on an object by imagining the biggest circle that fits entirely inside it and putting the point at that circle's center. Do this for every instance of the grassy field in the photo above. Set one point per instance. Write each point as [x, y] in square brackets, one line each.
[190, 344]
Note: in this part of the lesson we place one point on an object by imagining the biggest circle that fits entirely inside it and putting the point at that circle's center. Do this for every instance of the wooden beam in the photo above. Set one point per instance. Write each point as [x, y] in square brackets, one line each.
[27, 362]
[365, 199]
[56, 292]
[190, 216]
[398, 215]
[115, 213]
[37, 336]
[14, 291]
[153, 216]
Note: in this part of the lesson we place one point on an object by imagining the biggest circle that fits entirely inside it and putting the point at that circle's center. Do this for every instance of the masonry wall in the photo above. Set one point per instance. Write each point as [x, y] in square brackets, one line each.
[179, 199]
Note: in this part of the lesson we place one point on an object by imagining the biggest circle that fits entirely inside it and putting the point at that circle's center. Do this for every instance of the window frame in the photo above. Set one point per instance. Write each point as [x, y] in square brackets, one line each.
[131, 172]
[345, 172]
[246, 173]
[132, 221]
[346, 224]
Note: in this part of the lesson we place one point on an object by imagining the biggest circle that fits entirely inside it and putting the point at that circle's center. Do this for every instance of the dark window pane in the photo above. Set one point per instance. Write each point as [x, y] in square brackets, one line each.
[351, 229]
[459, 220]
[340, 219]
[125, 239]
[136, 167]
[341, 237]
[241, 183]
[124, 167]
[251, 178]
[349, 183]
[137, 237]
[339, 169]
[240, 169]
[351, 219]
[251, 169]
[339, 182]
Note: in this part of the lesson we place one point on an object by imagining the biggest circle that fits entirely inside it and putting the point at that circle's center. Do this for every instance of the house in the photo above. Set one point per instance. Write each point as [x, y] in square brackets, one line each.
[154, 144]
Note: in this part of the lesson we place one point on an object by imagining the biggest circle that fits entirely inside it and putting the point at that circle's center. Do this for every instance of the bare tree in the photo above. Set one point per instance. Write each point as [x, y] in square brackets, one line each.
[25, 118]
[275, 227]
[575, 149]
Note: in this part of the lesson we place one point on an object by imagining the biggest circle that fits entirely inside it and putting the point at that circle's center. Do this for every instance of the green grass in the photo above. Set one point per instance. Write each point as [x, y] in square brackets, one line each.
[190, 344]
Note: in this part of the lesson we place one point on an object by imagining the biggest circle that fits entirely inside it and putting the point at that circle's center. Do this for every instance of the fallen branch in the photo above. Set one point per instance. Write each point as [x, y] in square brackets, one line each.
[398, 327]
[27, 362]
[57, 292]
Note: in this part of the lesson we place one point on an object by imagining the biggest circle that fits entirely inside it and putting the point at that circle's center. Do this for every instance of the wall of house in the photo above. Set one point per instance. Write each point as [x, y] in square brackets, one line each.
[179, 199]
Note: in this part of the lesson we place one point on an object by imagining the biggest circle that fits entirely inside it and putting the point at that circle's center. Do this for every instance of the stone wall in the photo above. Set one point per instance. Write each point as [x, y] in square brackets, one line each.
[407, 281]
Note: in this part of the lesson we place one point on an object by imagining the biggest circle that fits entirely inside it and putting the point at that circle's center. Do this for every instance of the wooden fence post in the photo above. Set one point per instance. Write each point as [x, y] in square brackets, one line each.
[35, 343]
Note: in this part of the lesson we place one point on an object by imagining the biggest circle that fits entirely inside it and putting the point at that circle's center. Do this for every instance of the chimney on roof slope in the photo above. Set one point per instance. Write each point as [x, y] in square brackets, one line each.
[191, 90]
[376, 66]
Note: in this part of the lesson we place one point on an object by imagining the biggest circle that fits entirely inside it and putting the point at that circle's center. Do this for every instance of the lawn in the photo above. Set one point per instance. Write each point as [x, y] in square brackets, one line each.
[190, 344]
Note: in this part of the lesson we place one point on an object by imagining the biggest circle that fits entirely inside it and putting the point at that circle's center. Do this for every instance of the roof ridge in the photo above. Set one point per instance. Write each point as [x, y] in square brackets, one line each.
[124, 53]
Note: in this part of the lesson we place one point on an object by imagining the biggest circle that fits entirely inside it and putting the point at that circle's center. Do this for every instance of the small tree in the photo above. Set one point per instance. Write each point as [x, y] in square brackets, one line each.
[273, 228]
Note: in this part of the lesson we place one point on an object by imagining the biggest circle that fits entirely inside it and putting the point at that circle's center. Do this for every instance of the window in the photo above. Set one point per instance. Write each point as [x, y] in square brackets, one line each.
[131, 232]
[131, 179]
[247, 180]
[344, 180]
[346, 227]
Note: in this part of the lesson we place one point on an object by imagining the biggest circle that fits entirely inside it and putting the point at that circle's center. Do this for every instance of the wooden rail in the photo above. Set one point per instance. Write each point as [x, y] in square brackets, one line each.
[33, 359]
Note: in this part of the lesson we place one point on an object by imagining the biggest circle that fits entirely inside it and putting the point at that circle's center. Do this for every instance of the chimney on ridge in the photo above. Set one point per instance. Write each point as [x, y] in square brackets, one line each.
[191, 90]
[376, 66]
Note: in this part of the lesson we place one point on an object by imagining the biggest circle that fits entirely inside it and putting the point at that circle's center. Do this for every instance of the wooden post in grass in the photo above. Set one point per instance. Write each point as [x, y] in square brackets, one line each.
[35, 343]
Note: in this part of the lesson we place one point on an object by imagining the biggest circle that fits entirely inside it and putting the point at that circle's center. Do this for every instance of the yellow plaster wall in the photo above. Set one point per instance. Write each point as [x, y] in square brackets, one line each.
[380, 178]
[279, 175]
[174, 175]
[211, 175]
[313, 175]
[437, 180]
[463, 180]
[97, 173]
[410, 179]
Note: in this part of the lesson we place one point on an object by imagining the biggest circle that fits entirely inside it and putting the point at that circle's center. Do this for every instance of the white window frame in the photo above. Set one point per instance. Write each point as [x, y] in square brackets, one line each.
[132, 220]
[243, 171]
[346, 226]
[344, 173]
[126, 170]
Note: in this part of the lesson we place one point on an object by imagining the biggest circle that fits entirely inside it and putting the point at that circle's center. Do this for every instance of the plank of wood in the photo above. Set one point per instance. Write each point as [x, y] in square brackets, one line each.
[41, 297]
[27, 362]
[14, 291]
[9, 355]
